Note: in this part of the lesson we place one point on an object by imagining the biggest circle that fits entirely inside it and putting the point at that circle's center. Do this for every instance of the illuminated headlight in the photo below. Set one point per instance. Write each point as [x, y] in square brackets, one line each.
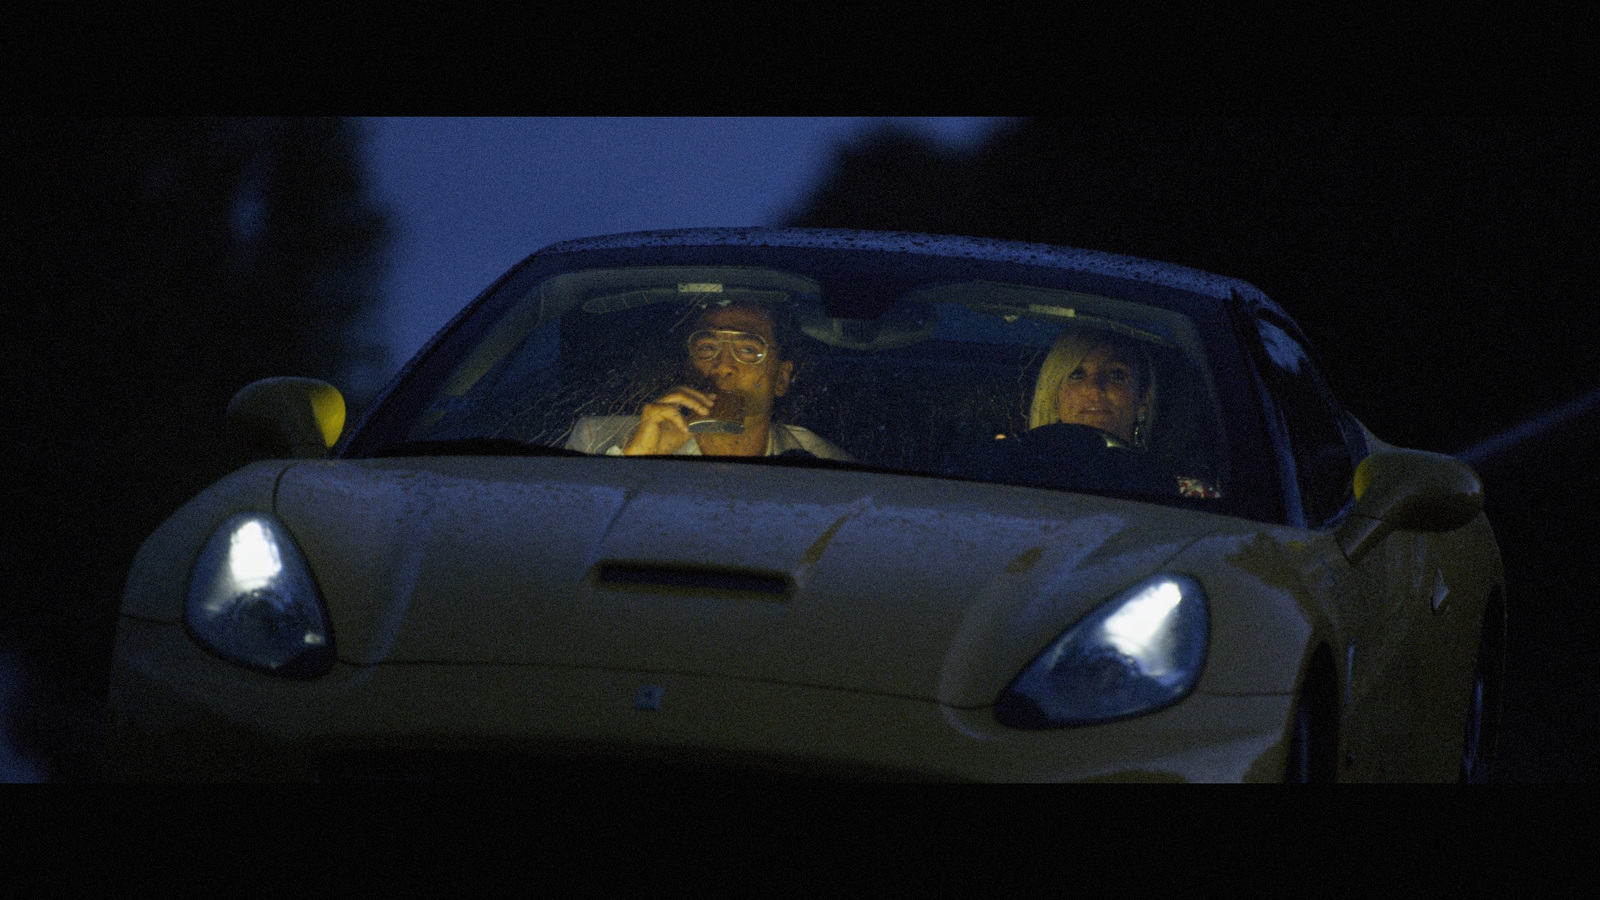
[1138, 652]
[252, 600]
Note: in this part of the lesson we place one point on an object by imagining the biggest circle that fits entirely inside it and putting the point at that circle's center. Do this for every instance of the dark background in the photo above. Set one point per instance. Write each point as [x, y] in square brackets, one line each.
[1443, 268]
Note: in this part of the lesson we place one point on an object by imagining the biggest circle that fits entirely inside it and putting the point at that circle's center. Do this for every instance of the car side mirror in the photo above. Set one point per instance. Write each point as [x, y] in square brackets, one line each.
[297, 418]
[1412, 490]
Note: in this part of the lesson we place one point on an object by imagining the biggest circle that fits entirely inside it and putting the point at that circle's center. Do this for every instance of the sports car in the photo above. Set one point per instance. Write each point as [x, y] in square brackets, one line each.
[814, 504]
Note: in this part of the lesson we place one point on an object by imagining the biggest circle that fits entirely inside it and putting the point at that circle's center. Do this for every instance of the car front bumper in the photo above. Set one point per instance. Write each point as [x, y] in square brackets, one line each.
[178, 713]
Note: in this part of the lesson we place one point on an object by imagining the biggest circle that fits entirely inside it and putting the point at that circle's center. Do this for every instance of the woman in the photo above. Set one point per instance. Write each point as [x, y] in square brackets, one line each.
[1106, 381]
[1097, 379]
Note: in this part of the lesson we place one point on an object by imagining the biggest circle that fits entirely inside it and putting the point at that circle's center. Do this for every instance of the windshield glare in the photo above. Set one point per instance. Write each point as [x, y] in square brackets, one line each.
[975, 378]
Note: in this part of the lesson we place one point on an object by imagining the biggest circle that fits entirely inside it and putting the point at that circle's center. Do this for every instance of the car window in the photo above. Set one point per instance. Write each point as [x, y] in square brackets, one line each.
[930, 368]
[1321, 438]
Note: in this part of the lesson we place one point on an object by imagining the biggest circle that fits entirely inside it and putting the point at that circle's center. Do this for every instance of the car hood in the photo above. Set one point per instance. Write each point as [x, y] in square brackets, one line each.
[912, 586]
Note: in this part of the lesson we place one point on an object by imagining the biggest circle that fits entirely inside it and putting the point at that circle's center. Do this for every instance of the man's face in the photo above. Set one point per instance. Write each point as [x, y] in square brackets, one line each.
[759, 382]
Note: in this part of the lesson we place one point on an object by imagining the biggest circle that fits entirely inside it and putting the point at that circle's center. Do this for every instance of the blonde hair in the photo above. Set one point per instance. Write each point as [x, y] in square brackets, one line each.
[1067, 354]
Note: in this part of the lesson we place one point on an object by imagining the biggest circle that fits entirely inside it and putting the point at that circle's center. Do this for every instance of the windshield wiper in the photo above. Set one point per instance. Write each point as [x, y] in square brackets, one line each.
[478, 446]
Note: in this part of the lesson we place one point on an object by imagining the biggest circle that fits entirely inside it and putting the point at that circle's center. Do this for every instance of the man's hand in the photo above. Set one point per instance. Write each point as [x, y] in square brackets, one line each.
[662, 426]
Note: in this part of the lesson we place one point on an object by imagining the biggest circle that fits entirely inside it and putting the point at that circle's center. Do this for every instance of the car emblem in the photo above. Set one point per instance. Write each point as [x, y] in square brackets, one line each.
[649, 697]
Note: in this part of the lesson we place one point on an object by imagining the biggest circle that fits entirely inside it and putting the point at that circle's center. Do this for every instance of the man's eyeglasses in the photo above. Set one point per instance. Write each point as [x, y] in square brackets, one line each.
[747, 348]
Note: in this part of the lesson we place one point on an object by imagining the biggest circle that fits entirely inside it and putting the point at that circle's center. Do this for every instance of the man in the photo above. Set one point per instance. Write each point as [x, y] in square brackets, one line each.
[735, 354]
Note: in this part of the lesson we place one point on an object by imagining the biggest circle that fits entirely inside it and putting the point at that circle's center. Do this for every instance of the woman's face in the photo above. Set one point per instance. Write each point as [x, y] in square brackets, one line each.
[1103, 391]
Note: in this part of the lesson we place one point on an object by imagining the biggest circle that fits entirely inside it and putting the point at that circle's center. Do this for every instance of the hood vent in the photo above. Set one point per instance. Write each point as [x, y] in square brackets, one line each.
[693, 580]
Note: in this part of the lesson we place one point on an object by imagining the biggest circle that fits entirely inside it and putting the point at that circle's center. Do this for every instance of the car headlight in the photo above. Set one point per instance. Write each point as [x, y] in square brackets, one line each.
[1138, 652]
[252, 600]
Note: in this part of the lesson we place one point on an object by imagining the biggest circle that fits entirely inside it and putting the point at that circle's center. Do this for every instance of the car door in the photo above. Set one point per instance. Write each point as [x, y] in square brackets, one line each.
[1381, 606]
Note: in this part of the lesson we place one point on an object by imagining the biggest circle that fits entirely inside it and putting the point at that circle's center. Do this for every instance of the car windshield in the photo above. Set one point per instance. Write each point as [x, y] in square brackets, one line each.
[918, 364]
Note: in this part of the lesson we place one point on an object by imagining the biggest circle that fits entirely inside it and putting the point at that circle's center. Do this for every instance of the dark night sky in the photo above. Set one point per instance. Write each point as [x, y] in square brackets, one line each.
[470, 197]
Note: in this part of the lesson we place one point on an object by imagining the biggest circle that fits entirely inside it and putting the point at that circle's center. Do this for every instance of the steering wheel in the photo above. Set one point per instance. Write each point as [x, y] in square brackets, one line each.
[1111, 440]
[1079, 457]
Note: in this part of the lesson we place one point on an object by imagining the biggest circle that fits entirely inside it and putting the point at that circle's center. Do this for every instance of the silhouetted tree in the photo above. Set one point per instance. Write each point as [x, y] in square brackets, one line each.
[154, 267]
[1432, 261]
